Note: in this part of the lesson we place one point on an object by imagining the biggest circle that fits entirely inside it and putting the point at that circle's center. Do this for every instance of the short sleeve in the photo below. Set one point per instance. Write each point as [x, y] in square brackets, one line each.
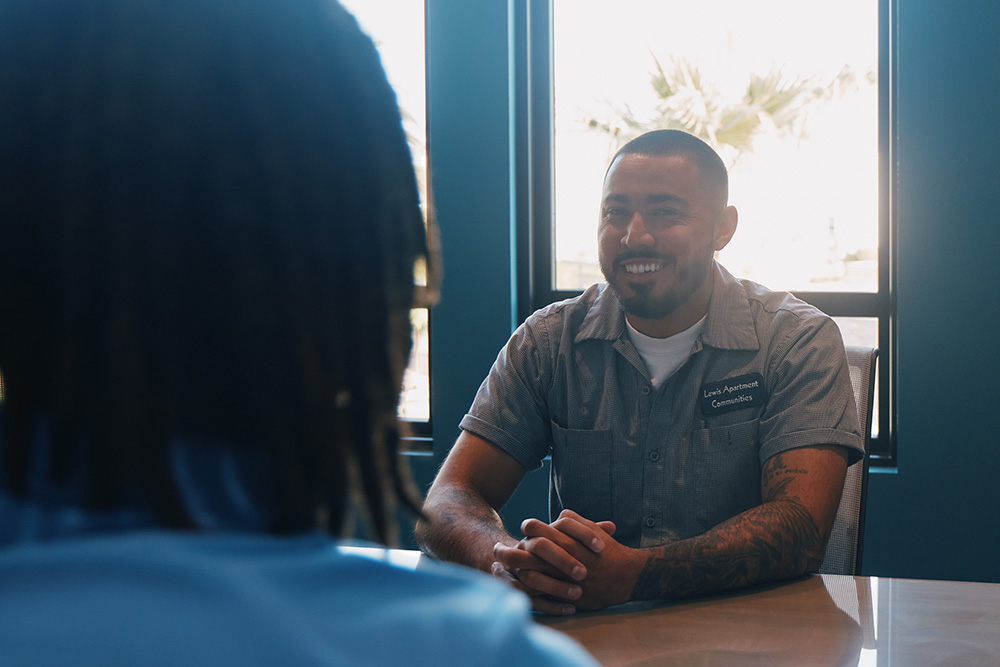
[810, 396]
[510, 409]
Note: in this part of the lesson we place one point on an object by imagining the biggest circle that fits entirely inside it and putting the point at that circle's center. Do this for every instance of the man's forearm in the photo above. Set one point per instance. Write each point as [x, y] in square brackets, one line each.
[777, 540]
[461, 527]
[783, 537]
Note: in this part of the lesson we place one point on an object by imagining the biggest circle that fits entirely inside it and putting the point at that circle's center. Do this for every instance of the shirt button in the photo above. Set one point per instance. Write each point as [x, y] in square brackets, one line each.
[654, 455]
[650, 522]
[644, 391]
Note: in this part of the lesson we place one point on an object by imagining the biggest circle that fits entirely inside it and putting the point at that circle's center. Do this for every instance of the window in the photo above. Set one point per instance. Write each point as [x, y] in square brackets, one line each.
[397, 28]
[794, 96]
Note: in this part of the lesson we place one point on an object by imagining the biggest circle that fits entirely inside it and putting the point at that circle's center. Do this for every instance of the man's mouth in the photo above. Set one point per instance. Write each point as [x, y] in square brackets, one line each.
[638, 268]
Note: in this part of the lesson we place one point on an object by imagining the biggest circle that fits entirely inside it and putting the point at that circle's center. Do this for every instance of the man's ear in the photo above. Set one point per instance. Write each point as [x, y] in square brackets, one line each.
[726, 227]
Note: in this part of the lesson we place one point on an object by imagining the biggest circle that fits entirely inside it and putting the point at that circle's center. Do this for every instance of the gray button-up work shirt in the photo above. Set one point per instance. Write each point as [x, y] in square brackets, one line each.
[768, 373]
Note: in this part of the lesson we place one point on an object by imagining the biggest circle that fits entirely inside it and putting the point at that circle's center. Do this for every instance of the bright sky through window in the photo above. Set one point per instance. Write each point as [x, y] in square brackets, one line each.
[397, 28]
[805, 182]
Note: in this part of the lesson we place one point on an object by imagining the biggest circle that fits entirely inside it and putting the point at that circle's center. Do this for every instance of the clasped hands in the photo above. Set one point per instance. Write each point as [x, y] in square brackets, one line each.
[569, 565]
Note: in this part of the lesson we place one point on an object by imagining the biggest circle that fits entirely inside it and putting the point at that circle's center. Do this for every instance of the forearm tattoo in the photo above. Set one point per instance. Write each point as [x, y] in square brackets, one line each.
[776, 540]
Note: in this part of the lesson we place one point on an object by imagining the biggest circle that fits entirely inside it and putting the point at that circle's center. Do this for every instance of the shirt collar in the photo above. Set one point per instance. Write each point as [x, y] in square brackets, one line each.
[605, 319]
[728, 324]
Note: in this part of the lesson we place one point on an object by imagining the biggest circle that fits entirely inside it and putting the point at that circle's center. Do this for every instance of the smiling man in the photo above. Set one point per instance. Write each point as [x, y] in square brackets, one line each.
[663, 216]
[699, 425]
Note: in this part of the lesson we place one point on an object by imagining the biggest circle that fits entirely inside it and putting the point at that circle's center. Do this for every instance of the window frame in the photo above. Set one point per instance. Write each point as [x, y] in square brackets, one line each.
[533, 182]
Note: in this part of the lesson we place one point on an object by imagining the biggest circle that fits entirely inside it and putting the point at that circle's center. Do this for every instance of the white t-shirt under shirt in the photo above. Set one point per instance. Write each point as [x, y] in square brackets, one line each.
[663, 356]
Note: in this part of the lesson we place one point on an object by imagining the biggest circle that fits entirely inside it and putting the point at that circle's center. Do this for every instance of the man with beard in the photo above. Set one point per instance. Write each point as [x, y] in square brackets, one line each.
[699, 425]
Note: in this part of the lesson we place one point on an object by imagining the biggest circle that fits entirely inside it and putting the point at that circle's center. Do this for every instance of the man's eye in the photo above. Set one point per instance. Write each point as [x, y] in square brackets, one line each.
[663, 213]
[616, 215]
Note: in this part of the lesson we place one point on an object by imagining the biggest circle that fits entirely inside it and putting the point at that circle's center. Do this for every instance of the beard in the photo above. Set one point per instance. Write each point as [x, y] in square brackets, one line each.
[643, 303]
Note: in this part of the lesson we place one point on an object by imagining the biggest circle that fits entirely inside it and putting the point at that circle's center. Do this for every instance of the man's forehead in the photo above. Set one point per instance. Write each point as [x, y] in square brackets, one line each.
[660, 176]
[651, 198]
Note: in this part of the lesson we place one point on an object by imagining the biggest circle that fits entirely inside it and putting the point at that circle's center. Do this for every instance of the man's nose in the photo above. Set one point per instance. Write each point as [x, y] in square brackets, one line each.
[636, 234]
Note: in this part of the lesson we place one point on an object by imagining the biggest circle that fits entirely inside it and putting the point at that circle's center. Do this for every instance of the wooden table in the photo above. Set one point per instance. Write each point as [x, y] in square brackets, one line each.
[819, 620]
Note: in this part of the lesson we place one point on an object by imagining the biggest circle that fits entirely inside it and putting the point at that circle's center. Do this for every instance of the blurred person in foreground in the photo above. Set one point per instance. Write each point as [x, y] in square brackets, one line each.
[209, 223]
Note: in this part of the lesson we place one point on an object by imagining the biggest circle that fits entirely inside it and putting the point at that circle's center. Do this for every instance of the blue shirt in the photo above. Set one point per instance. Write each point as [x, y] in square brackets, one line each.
[222, 488]
[109, 588]
[158, 597]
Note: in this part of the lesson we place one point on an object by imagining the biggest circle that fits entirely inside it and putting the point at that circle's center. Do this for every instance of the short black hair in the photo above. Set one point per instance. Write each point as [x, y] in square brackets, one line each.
[678, 142]
[209, 221]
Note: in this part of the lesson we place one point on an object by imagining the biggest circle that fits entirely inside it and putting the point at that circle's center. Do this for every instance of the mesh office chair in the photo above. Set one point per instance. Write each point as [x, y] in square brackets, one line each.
[843, 552]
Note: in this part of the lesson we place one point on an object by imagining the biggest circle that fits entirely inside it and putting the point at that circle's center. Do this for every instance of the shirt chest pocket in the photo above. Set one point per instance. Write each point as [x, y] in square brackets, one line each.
[581, 470]
[725, 465]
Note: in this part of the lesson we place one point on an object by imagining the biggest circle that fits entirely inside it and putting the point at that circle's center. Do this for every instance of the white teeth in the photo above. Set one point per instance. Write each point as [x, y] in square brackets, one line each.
[642, 268]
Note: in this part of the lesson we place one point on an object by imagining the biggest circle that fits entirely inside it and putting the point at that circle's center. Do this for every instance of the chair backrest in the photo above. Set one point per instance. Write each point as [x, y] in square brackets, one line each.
[843, 552]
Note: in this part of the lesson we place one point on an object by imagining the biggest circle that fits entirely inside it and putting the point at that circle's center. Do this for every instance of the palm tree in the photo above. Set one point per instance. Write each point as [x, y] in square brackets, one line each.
[685, 101]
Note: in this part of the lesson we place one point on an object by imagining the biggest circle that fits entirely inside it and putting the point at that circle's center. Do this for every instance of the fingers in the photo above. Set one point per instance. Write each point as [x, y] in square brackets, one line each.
[557, 550]
[535, 583]
[547, 585]
[608, 527]
[549, 562]
[503, 574]
[587, 533]
[535, 573]
[525, 556]
[539, 601]
[571, 524]
[551, 607]
[557, 554]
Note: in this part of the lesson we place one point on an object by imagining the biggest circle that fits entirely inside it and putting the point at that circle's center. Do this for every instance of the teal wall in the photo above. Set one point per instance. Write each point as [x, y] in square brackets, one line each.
[469, 126]
[936, 515]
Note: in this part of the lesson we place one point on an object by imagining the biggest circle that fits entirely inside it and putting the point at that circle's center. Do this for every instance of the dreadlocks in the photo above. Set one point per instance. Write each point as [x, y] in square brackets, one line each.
[208, 224]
